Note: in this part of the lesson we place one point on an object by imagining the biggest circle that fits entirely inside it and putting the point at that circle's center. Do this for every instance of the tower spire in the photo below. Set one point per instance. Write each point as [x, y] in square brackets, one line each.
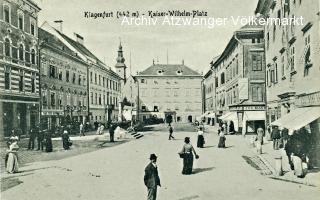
[120, 66]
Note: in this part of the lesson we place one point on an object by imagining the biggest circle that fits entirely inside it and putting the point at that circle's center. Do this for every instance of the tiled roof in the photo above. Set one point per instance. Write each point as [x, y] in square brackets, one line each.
[54, 42]
[168, 70]
[81, 48]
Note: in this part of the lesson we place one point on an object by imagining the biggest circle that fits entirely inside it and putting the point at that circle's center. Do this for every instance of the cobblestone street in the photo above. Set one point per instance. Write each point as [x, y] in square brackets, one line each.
[117, 172]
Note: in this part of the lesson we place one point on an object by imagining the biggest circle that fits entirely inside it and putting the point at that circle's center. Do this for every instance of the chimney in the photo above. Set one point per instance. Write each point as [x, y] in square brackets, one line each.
[79, 38]
[60, 22]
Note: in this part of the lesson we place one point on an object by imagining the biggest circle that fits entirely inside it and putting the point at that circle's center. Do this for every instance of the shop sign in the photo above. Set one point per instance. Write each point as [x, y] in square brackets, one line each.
[308, 100]
[245, 108]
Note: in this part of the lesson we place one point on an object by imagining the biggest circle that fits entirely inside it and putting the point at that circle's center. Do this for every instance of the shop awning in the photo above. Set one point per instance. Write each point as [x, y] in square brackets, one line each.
[230, 116]
[254, 115]
[298, 118]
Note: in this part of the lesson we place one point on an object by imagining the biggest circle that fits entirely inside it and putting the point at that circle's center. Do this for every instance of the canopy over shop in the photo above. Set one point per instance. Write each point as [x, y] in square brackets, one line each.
[250, 120]
[298, 118]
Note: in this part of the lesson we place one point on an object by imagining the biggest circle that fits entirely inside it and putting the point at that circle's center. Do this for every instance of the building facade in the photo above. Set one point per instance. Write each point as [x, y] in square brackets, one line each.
[63, 83]
[169, 90]
[293, 70]
[240, 80]
[209, 91]
[292, 56]
[19, 73]
[104, 91]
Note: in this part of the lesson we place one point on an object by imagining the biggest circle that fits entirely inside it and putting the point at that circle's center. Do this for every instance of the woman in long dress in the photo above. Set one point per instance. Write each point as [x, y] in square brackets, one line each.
[200, 141]
[187, 152]
[66, 140]
[12, 162]
[222, 139]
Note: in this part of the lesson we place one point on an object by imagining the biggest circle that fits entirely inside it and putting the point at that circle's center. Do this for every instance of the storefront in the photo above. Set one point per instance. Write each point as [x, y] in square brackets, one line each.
[246, 119]
[306, 116]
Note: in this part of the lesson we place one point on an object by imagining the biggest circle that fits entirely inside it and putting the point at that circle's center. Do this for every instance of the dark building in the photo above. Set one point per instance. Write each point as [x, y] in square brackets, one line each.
[19, 73]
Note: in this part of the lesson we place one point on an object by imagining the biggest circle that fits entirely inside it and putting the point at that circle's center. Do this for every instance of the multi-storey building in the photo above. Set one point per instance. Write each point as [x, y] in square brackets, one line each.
[19, 74]
[63, 83]
[292, 56]
[103, 84]
[293, 68]
[169, 90]
[240, 80]
[209, 91]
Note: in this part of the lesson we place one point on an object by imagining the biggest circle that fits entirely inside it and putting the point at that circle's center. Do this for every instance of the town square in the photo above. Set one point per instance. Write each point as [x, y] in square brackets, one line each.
[159, 99]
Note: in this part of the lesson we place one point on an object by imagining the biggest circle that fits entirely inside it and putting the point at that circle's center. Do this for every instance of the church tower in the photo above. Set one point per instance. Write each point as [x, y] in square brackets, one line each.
[120, 66]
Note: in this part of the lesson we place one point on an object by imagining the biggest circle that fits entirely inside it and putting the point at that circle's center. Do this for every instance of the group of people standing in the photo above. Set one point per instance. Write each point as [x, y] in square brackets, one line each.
[43, 139]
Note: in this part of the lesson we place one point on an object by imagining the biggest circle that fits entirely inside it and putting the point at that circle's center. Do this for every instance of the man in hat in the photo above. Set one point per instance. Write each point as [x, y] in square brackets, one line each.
[151, 178]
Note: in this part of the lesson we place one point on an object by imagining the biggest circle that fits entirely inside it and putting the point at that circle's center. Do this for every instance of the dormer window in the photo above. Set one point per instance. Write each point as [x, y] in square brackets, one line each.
[179, 72]
[160, 72]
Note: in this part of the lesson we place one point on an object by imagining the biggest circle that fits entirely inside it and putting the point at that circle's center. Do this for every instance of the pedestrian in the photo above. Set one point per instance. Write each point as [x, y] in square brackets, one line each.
[231, 128]
[12, 164]
[66, 140]
[275, 135]
[48, 141]
[284, 136]
[81, 130]
[101, 129]
[40, 139]
[32, 137]
[98, 129]
[151, 178]
[260, 134]
[187, 154]
[222, 138]
[200, 141]
[96, 125]
[170, 132]
[111, 132]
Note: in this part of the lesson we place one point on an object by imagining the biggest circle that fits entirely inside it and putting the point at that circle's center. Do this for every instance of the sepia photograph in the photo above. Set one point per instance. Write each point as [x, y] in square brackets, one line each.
[159, 99]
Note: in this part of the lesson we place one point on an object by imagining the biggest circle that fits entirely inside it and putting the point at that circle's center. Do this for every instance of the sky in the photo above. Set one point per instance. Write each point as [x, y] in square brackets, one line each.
[196, 45]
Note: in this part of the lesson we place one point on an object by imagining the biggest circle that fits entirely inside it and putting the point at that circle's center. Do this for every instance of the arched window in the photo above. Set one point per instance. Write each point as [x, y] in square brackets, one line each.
[33, 57]
[21, 52]
[7, 47]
